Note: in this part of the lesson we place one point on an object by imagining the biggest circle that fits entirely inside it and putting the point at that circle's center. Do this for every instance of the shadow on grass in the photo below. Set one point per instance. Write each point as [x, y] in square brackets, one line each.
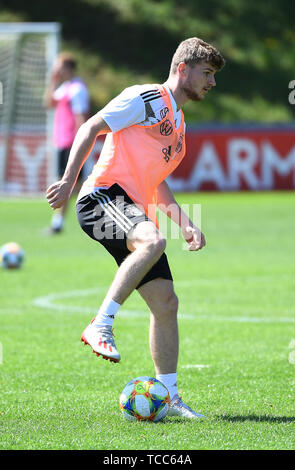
[257, 418]
[180, 420]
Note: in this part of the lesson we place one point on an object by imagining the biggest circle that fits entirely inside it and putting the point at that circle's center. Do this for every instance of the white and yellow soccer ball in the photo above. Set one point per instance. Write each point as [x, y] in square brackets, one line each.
[144, 399]
[11, 255]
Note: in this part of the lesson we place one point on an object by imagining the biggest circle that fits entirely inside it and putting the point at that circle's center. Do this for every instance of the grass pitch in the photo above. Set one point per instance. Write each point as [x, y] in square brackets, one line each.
[237, 331]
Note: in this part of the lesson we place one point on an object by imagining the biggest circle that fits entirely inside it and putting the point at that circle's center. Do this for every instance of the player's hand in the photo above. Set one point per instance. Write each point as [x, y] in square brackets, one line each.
[194, 237]
[58, 194]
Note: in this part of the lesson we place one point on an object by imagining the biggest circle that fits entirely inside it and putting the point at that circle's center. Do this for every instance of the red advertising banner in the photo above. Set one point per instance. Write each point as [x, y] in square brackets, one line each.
[26, 169]
[237, 158]
[218, 158]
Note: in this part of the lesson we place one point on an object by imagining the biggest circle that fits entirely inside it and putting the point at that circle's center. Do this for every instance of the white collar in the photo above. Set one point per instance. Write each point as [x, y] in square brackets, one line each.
[173, 102]
[176, 113]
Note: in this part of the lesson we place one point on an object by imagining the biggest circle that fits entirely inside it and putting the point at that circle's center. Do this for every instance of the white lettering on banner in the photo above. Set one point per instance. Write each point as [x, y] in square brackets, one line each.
[208, 168]
[31, 163]
[2, 156]
[292, 93]
[243, 158]
[271, 161]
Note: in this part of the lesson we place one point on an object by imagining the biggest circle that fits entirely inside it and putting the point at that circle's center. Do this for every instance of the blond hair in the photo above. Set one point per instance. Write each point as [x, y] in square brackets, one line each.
[194, 50]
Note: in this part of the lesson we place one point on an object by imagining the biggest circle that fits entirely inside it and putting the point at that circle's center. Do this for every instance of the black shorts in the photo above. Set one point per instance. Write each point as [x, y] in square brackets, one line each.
[62, 160]
[107, 215]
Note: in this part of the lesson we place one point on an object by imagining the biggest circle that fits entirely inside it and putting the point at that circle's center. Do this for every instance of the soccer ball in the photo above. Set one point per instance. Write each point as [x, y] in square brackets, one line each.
[144, 399]
[11, 255]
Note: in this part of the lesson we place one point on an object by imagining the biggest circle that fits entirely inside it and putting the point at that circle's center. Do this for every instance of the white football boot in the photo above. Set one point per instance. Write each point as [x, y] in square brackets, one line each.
[178, 408]
[101, 340]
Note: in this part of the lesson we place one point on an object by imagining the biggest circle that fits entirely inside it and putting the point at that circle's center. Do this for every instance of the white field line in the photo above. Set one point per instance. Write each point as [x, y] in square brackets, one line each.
[50, 302]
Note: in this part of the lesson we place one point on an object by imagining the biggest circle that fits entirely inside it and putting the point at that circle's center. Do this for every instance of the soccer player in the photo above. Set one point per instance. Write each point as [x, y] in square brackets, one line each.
[116, 206]
[69, 95]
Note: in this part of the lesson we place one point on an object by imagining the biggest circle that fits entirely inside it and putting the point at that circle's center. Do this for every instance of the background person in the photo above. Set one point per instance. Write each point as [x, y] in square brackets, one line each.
[69, 95]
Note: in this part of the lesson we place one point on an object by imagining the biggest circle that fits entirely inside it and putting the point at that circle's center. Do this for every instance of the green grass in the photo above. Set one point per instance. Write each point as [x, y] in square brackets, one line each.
[237, 302]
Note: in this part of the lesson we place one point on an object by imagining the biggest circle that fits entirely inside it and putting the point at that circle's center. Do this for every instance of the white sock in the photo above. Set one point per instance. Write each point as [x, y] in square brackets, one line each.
[170, 381]
[106, 313]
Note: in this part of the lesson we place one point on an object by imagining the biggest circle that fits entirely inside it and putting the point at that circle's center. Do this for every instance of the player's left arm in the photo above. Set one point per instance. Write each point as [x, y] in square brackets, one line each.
[167, 204]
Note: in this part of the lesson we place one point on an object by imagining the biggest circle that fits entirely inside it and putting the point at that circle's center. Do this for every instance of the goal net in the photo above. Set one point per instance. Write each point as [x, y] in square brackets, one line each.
[27, 157]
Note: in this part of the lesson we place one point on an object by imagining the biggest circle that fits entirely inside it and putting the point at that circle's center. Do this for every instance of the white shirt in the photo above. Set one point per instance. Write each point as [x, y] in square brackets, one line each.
[138, 104]
[78, 94]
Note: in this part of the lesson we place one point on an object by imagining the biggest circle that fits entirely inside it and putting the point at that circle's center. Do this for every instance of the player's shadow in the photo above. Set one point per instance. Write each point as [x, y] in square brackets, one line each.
[257, 418]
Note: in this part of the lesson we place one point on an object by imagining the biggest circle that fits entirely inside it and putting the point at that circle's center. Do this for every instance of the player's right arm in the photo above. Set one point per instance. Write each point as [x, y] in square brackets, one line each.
[126, 109]
[58, 193]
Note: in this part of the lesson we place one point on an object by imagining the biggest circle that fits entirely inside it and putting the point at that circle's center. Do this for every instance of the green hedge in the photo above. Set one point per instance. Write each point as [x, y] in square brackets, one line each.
[122, 42]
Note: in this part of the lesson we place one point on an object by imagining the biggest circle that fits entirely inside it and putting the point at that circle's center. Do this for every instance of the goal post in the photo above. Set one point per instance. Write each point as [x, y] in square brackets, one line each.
[27, 157]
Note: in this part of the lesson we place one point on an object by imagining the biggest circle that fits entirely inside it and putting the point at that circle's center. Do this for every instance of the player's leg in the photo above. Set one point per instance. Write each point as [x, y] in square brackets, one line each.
[163, 304]
[146, 245]
[134, 242]
[162, 301]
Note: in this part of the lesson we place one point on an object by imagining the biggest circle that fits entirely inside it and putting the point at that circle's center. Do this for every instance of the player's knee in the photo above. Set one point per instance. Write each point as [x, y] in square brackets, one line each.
[154, 245]
[172, 304]
[157, 245]
[146, 236]
[167, 306]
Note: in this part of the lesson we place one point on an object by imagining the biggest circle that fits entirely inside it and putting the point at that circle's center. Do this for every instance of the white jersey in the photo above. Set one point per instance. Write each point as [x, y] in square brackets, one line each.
[138, 104]
[78, 94]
